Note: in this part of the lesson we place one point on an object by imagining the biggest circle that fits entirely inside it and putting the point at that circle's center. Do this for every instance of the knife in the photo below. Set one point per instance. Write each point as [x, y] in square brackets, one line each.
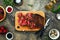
[46, 24]
[40, 32]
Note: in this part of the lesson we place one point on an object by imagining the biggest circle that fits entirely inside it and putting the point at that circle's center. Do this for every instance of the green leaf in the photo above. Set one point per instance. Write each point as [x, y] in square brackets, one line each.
[8, 2]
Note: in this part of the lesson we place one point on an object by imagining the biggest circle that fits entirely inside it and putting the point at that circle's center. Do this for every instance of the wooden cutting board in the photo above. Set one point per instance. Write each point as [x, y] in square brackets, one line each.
[19, 28]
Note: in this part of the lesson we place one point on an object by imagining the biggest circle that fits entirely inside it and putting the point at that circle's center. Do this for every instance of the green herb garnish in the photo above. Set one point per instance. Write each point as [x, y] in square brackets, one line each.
[8, 2]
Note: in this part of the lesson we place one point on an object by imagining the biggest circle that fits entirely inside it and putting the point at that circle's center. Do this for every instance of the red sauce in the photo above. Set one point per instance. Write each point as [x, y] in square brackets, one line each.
[9, 9]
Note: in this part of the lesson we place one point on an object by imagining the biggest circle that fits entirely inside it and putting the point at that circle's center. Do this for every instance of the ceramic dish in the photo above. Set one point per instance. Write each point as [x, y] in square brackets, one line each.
[54, 34]
[4, 13]
[9, 9]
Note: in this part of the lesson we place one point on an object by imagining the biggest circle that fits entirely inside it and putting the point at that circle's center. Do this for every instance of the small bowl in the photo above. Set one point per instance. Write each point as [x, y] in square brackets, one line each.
[18, 2]
[55, 37]
[3, 14]
[9, 9]
[9, 36]
[58, 16]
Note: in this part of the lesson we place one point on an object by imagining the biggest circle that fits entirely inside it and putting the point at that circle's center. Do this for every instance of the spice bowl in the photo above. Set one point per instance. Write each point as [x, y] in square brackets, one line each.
[54, 34]
[9, 9]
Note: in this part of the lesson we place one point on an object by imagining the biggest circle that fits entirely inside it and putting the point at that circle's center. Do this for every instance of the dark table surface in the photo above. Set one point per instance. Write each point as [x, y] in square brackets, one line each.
[9, 21]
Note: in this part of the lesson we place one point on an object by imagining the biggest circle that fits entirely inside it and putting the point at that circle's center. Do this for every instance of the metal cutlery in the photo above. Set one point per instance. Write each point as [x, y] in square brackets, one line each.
[40, 32]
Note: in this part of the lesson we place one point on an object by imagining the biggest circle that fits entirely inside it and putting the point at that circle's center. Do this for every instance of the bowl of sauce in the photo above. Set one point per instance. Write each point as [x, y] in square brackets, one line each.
[2, 13]
[9, 9]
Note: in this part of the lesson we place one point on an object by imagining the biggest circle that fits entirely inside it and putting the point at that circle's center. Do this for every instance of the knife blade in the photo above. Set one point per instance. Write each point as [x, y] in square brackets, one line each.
[46, 24]
[40, 32]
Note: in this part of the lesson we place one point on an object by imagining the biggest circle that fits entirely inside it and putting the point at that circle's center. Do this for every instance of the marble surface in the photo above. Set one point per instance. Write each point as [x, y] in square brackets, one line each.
[37, 5]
